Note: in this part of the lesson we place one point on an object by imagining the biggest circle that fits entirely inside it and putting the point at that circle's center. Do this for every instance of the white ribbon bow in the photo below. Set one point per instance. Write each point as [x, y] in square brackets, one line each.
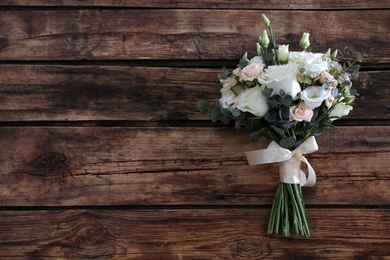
[289, 161]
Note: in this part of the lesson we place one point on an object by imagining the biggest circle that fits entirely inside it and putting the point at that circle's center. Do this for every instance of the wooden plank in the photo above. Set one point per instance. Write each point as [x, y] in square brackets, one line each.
[57, 166]
[180, 234]
[137, 93]
[181, 34]
[220, 4]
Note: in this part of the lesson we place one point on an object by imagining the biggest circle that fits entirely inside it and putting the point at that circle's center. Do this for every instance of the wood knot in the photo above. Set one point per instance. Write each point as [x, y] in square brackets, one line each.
[292, 36]
[247, 247]
[3, 43]
[91, 240]
[48, 162]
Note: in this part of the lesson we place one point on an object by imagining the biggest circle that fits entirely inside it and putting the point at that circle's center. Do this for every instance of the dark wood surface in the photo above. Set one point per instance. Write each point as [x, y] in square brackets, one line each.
[191, 34]
[208, 4]
[190, 234]
[82, 166]
[104, 155]
[136, 93]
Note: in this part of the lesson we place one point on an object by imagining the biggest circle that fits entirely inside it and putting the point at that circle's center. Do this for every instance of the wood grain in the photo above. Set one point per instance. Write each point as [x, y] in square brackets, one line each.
[184, 34]
[57, 166]
[137, 93]
[220, 4]
[190, 234]
[128, 189]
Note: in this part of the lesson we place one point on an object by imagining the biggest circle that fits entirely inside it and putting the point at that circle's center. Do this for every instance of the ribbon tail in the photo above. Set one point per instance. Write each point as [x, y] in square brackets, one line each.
[309, 179]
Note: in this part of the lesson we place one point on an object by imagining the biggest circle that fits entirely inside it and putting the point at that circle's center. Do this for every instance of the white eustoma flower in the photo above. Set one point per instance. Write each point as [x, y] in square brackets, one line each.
[340, 110]
[283, 53]
[305, 42]
[252, 100]
[314, 96]
[313, 62]
[282, 77]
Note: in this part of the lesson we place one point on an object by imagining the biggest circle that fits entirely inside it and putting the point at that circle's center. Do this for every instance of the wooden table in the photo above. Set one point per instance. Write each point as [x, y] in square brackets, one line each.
[105, 156]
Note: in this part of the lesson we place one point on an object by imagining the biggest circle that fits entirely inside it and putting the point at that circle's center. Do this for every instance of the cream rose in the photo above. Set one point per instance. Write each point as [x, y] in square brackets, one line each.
[301, 113]
[314, 96]
[282, 77]
[251, 71]
[252, 100]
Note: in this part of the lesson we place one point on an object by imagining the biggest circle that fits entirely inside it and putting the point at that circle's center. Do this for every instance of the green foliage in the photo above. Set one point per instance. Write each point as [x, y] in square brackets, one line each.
[203, 106]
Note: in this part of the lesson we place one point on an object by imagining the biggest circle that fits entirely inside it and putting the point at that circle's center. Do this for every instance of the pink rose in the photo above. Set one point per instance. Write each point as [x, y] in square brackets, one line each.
[251, 71]
[325, 75]
[301, 113]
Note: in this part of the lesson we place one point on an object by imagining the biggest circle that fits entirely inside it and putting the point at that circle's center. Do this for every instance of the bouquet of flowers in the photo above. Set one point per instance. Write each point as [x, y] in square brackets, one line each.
[288, 97]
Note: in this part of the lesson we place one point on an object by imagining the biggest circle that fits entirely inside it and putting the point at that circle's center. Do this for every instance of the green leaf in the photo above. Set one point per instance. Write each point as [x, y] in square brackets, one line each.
[273, 103]
[288, 142]
[359, 57]
[353, 92]
[215, 115]
[278, 129]
[287, 101]
[203, 106]
[287, 124]
[285, 113]
[258, 133]
[270, 117]
[267, 92]
[243, 63]
[355, 67]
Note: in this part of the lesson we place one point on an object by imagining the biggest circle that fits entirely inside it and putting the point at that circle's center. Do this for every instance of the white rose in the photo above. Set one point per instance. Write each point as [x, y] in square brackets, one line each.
[252, 101]
[312, 62]
[340, 110]
[314, 96]
[282, 77]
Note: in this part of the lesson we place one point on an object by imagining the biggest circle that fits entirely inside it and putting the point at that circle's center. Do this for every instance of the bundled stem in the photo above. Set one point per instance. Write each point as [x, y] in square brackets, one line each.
[288, 212]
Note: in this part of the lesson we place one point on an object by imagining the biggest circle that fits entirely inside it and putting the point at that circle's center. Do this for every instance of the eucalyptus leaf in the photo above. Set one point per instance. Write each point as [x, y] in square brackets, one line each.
[278, 129]
[270, 117]
[203, 106]
[267, 92]
[258, 133]
[287, 100]
[288, 142]
[273, 103]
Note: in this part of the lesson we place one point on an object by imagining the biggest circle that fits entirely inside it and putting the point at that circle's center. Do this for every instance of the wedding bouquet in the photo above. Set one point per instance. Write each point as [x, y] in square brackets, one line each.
[288, 97]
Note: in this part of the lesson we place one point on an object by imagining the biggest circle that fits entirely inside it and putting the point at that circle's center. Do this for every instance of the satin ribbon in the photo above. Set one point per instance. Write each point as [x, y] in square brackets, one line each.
[289, 161]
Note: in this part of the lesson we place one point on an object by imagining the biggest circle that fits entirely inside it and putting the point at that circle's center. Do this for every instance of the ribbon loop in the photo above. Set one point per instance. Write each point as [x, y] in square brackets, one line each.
[289, 161]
